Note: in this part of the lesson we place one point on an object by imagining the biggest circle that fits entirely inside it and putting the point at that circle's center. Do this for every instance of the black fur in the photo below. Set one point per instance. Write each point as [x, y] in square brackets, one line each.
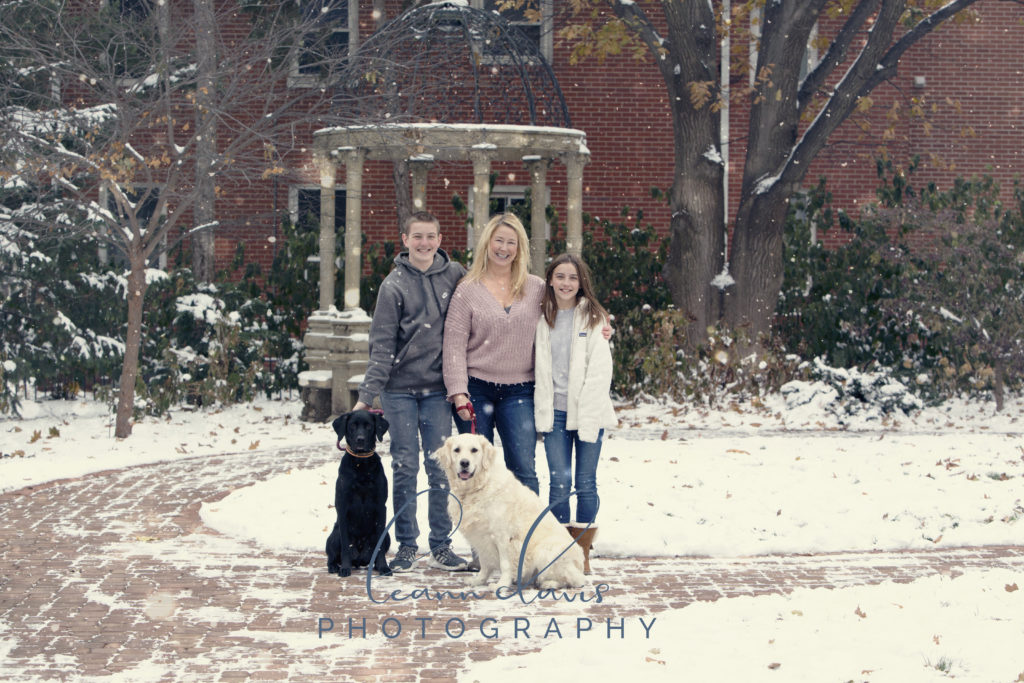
[360, 497]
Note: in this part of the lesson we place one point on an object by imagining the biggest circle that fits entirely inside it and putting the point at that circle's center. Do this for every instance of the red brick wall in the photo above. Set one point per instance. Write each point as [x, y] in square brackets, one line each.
[973, 94]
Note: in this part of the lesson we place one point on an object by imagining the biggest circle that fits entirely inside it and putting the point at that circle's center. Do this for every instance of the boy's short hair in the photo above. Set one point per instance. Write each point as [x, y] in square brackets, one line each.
[421, 217]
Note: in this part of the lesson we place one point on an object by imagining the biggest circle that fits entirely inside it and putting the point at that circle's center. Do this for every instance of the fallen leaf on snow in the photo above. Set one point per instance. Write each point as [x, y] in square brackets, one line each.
[1011, 587]
[860, 613]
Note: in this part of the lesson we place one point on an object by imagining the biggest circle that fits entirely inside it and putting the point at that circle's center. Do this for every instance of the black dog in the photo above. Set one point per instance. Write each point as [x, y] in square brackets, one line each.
[360, 496]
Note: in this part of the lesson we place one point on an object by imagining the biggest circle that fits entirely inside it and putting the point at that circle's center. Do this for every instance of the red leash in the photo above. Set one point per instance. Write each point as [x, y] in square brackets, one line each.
[472, 417]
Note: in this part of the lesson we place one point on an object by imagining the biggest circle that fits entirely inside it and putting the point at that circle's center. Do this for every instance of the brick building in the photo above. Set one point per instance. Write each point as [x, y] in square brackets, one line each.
[959, 96]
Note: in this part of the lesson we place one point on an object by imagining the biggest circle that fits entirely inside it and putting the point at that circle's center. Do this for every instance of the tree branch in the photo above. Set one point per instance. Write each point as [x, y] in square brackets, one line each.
[635, 19]
[836, 53]
[876, 63]
[889, 62]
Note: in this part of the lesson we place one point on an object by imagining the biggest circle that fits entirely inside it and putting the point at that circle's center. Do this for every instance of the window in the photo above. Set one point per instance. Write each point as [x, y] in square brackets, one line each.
[534, 18]
[503, 199]
[332, 39]
[304, 207]
[128, 46]
[134, 9]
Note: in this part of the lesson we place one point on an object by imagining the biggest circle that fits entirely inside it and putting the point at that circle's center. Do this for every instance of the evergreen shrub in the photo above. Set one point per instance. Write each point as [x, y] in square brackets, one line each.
[945, 315]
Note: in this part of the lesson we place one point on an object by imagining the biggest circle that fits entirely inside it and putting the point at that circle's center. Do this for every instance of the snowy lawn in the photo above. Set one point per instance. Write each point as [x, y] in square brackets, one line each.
[732, 482]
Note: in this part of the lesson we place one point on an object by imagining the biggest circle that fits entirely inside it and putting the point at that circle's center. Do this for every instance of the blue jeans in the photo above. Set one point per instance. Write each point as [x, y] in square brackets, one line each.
[558, 443]
[509, 407]
[411, 416]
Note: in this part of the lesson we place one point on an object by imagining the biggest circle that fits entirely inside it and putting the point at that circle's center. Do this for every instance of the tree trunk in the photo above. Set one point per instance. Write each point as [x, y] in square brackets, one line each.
[206, 141]
[133, 343]
[403, 193]
[697, 233]
[756, 264]
[998, 388]
[696, 250]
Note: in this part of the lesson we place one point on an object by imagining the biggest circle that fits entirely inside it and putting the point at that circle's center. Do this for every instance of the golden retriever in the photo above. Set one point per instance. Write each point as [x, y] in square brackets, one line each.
[497, 512]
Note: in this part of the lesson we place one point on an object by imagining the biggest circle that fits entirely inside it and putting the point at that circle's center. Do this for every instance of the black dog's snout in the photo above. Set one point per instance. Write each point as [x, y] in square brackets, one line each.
[464, 463]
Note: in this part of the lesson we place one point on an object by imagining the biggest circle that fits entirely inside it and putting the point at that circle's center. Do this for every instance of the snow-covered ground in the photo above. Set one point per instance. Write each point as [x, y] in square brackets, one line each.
[674, 480]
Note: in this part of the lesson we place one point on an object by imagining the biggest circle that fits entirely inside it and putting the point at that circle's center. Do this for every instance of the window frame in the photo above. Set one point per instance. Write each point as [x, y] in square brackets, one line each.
[340, 193]
[508, 193]
[297, 78]
[545, 27]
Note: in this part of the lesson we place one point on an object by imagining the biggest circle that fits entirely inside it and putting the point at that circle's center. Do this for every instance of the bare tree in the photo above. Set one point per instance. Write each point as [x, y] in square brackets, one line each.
[684, 39]
[114, 104]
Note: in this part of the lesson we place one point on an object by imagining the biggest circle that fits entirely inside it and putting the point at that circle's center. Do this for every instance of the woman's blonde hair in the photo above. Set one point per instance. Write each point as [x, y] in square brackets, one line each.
[520, 264]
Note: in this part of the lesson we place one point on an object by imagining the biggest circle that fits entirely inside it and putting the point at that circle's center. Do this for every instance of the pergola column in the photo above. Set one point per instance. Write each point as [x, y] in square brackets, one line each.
[574, 202]
[419, 167]
[538, 169]
[481, 191]
[327, 238]
[353, 160]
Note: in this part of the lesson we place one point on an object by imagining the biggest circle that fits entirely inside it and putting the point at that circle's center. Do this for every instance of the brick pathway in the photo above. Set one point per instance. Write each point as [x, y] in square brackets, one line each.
[114, 575]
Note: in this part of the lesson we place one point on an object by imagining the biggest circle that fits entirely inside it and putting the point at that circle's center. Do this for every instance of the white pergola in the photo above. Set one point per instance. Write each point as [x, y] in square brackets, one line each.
[421, 144]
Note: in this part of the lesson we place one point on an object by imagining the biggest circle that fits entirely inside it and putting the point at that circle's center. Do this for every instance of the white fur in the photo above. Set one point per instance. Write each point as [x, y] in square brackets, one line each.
[497, 513]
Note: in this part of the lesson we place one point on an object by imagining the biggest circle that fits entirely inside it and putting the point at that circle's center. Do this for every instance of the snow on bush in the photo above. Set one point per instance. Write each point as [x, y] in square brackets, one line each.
[847, 393]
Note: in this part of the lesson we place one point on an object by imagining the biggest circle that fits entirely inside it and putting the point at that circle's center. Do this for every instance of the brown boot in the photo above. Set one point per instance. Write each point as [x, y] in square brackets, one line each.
[585, 538]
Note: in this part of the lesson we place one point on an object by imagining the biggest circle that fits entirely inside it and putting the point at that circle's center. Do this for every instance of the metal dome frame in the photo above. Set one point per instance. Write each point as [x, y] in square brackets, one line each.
[432, 61]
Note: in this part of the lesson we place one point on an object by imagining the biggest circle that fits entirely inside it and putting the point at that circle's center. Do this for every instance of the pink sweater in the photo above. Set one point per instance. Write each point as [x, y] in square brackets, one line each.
[482, 340]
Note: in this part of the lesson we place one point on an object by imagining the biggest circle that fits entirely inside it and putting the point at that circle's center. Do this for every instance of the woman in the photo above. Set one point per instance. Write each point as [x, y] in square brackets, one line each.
[488, 344]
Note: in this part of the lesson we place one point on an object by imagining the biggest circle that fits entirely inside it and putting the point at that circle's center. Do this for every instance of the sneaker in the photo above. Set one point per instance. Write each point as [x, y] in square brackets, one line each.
[445, 558]
[404, 559]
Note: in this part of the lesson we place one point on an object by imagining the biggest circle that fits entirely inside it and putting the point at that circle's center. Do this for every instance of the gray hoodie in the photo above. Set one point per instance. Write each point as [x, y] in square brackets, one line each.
[408, 327]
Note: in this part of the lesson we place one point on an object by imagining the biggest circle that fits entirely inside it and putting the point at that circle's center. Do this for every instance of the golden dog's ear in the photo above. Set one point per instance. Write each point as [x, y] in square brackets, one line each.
[490, 453]
[443, 455]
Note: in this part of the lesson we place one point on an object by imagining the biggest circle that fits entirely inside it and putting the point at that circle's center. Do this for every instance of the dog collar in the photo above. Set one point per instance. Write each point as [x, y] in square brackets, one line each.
[368, 454]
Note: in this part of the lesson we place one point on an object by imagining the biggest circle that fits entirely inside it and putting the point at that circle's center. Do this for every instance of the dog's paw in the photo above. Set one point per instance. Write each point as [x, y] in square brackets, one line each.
[477, 580]
[344, 572]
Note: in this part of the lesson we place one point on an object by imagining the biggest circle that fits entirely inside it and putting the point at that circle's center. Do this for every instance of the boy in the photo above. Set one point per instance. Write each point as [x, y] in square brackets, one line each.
[405, 371]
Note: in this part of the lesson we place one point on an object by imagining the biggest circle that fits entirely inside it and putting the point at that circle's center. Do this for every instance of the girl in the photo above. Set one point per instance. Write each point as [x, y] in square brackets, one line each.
[573, 375]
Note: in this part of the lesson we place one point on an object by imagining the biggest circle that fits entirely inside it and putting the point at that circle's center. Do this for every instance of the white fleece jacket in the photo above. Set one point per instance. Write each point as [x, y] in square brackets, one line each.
[590, 379]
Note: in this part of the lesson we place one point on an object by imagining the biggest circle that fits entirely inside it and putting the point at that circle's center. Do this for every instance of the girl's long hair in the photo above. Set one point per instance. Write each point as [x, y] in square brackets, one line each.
[597, 314]
[520, 265]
